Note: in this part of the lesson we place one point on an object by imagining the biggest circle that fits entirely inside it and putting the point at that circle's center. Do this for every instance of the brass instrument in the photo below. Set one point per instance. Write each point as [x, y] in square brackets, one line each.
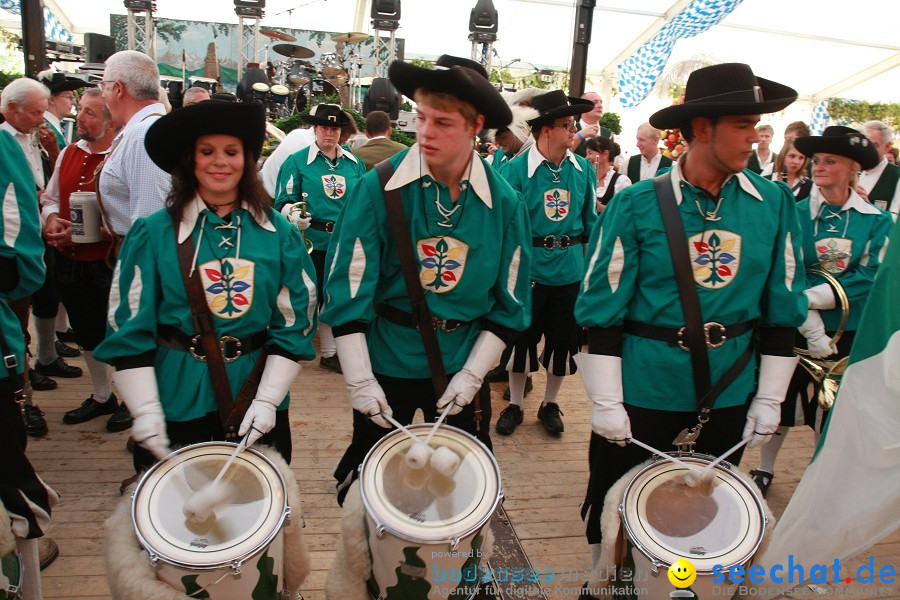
[300, 209]
[825, 372]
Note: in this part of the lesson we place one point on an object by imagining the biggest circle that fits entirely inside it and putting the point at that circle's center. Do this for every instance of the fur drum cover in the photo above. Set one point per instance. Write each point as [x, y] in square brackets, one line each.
[352, 565]
[128, 567]
[7, 540]
[611, 524]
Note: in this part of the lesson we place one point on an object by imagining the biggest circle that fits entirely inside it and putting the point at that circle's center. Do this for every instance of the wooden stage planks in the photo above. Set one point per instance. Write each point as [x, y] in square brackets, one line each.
[544, 482]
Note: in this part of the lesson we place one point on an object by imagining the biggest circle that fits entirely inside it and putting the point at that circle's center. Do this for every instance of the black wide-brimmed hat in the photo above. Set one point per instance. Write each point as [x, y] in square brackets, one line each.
[329, 115]
[60, 82]
[462, 82]
[177, 132]
[448, 60]
[842, 141]
[554, 105]
[726, 89]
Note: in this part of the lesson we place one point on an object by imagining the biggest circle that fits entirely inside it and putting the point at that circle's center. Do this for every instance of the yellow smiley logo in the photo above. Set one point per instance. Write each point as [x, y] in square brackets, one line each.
[682, 573]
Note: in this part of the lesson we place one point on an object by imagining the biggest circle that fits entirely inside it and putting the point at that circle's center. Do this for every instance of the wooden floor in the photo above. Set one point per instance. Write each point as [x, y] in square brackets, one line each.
[544, 479]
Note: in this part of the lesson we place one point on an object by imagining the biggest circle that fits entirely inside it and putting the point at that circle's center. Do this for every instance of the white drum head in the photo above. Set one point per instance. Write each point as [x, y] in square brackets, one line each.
[280, 90]
[260, 87]
[249, 520]
[424, 506]
[667, 520]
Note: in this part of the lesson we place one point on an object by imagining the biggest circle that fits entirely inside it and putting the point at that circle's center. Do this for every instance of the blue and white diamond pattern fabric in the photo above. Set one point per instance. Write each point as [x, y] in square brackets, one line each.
[820, 117]
[639, 72]
[53, 29]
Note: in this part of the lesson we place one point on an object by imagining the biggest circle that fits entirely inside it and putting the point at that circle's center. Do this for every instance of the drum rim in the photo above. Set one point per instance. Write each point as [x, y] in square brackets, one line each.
[404, 535]
[723, 466]
[20, 570]
[265, 543]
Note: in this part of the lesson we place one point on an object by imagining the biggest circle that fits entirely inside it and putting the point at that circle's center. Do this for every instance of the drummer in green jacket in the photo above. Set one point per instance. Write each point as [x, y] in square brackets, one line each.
[473, 249]
[744, 256]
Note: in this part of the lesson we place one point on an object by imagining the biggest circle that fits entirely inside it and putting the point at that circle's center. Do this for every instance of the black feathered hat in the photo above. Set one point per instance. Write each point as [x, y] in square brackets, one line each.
[171, 135]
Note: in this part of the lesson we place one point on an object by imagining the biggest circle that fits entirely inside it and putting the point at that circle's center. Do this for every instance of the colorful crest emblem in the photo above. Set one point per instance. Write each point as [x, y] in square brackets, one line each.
[556, 204]
[228, 287]
[334, 186]
[715, 257]
[442, 261]
[834, 254]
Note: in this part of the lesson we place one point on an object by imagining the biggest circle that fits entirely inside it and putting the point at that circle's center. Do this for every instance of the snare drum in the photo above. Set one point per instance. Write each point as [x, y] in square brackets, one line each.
[12, 572]
[237, 555]
[665, 520]
[279, 93]
[425, 531]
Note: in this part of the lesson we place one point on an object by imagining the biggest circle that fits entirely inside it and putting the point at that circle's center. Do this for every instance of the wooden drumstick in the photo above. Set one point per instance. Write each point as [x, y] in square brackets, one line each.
[438, 422]
[662, 454]
[733, 449]
[203, 502]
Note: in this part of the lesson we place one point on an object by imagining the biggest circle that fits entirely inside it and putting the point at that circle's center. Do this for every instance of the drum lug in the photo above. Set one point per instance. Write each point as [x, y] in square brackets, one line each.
[154, 560]
[236, 568]
[454, 544]
[379, 531]
[287, 515]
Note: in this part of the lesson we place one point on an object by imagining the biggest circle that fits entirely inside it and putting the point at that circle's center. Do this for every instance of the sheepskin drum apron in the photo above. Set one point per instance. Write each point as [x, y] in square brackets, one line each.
[238, 554]
[665, 520]
[12, 572]
[425, 530]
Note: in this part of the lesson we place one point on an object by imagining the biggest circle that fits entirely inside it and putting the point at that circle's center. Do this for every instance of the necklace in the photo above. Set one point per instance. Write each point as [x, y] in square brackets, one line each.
[555, 171]
[331, 165]
[710, 215]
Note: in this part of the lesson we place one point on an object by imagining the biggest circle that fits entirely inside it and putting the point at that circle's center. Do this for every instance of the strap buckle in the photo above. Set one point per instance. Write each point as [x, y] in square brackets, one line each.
[551, 242]
[707, 329]
[329, 226]
[223, 347]
[10, 362]
[443, 325]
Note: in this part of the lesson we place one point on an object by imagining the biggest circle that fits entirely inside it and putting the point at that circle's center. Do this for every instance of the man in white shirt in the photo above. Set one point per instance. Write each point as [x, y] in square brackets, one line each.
[881, 183]
[650, 160]
[23, 103]
[763, 156]
[296, 140]
[131, 185]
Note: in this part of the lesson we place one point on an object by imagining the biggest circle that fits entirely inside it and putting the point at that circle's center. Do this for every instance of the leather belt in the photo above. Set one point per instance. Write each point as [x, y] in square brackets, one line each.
[326, 226]
[552, 242]
[715, 333]
[405, 319]
[232, 347]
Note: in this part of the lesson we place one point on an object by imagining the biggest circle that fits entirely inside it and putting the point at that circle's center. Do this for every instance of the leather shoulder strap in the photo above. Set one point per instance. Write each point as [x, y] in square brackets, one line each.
[403, 241]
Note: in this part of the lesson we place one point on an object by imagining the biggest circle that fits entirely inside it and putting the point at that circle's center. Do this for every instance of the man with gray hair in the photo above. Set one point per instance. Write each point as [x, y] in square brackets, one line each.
[23, 103]
[881, 182]
[195, 94]
[131, 185]
[763, 155]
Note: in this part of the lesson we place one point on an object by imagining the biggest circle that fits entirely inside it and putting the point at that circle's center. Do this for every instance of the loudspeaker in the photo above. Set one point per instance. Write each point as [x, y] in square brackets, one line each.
[98, 47]
[382, 96]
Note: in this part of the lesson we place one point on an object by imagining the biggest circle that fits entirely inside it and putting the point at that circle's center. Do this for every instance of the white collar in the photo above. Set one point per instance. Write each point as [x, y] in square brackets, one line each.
[83, 144]
[15, 132]
[53, 120]
[145, 112]
[816, 200]
[878, 169]
[413, 168]
[376, 137]
[314, 152]
[743, 181]
[656, 157]
[535, 158]
[193, 208]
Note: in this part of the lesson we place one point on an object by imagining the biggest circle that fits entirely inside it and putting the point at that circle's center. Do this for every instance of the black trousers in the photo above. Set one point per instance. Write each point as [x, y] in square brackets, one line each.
[608, 462]
[553, 318]
[798, 390]
[83, 288]
[318, 261]
[405, 396]
[45, 301]
[209, 429]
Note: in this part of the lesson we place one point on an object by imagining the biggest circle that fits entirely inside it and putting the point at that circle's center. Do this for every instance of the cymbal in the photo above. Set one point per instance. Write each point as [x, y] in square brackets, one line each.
[349, 38]
[293, 51]
[278, 35]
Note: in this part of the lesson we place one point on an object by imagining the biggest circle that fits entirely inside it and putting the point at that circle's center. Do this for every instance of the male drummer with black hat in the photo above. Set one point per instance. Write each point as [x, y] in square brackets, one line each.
[471, 255]
[558, 189]
[327, 174]
[655, 368]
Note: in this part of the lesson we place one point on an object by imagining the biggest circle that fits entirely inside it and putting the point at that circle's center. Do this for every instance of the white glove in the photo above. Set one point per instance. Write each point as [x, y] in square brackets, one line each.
[467, 382]
[293, 216]
[366, 395]
[277, 377]
[138, 390]
[820, 296]
[602, 376]
[764, 416]
[817, 341]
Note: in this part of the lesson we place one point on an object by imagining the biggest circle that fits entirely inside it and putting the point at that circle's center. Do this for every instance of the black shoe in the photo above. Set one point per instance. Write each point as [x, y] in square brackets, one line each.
[549, 416]
[35, 424]
[58, 368]
[528, 387]
[66, 336]
[66, 351]
[39, 382]
[332, 363]
[762, 479]
[121, 419]
[498, 373]
[47, 551]
[509, 418]
[90, 409]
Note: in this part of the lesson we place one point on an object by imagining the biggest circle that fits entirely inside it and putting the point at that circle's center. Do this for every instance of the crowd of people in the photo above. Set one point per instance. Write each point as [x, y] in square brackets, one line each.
[551, 252]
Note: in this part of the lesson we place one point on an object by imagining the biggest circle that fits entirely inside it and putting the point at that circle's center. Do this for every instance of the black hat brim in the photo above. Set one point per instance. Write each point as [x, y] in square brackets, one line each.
[576, 107]
[314, 120]
[865, 155]
[170, 136]
[69, 85]
[778, 97]
[461, 82]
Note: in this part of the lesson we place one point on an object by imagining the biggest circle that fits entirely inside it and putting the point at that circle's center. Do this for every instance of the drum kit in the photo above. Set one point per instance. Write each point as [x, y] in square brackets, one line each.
[295, 81]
